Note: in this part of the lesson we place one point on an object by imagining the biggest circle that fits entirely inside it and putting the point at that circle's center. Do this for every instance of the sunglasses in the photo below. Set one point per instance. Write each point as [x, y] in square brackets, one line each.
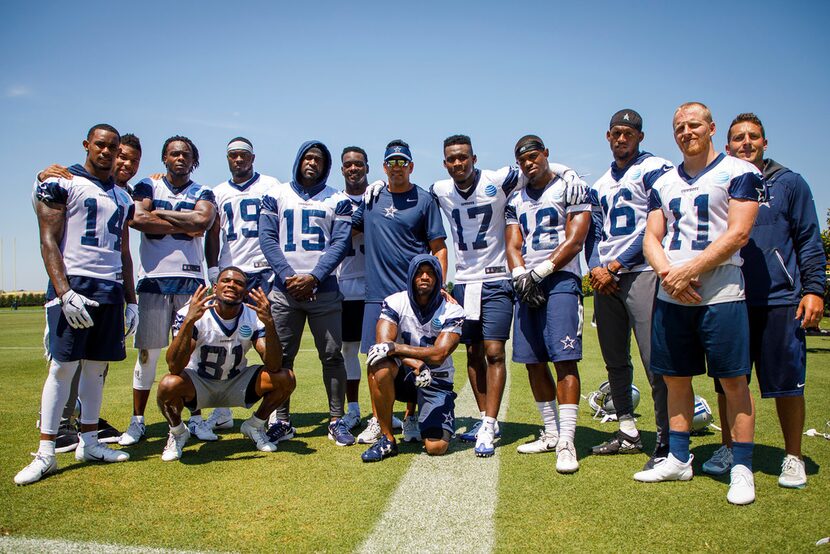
[397, 162]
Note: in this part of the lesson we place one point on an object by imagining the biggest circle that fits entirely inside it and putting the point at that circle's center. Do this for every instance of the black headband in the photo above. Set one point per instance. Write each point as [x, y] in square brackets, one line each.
[529, 146]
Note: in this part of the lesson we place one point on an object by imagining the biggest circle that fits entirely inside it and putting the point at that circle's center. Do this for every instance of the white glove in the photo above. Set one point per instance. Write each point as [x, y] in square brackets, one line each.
[74, 309]
[213, 275]
[424, 377]
[380, 351]
[130, 319]
[372, 192]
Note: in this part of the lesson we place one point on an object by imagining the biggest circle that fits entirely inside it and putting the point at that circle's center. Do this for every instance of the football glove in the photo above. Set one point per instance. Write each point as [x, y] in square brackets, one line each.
[74, 309]
[424, 377]
[380, 351]
[372, 192]
[529, 291]
[130, 319]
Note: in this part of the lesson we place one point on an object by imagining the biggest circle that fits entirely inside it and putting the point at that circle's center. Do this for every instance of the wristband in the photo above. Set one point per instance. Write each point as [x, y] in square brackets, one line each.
[544, 269]
[519, 271]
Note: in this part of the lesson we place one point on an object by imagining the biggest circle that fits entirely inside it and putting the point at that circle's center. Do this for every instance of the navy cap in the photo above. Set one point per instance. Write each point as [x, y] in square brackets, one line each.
[397, 151]
[629, 118]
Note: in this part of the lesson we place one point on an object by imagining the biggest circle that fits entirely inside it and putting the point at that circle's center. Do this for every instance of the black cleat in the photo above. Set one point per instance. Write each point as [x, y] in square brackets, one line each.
[107, 433]
[661, 452]
[67, 439]
[620, 443]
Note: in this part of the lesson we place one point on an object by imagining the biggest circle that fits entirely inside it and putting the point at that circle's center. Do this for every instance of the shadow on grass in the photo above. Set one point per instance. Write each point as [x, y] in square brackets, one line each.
[765, 459]
[818, 350]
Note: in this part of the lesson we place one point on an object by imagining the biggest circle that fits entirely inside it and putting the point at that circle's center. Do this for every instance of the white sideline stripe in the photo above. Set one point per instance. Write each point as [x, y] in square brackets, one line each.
[26, 545]
[444, 503]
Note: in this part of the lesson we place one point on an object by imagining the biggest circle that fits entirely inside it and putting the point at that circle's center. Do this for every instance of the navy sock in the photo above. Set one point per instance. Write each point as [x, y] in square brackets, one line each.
[742, 454]
[679, 445]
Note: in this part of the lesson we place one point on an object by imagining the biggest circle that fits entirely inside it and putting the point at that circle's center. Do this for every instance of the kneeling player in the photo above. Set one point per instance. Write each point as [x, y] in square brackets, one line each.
[211, 336]
[411, 361]
[544, 234]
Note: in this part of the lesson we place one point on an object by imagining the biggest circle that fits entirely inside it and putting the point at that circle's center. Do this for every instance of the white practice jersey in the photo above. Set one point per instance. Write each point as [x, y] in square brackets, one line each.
[176, 255]
[95, 217]
[448, 318]
[239, 206]
[541, 216]
[477, 222]
[221, 345]
[624, 205]
[696, 212]
[306, 224]
[351, 273]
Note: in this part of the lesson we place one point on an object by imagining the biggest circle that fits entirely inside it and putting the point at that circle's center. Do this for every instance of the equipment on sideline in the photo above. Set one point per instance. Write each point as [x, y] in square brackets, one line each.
[702, 415]
[602, 404]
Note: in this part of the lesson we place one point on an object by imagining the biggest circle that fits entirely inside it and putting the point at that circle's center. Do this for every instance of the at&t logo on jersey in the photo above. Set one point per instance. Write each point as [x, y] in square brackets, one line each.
[491, 190]
[721, 177]
[436, 323]
[245, 331]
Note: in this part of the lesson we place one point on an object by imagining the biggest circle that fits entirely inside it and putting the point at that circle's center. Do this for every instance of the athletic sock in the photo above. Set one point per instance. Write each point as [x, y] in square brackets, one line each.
[89, 438]
[138, 418]
[567, 422]
[46, 448]
[550, 416]
[256, 422]
[742, 454]
[178, 429]
[489, 423]
[679, 445]
[629, 426]
[353, 408]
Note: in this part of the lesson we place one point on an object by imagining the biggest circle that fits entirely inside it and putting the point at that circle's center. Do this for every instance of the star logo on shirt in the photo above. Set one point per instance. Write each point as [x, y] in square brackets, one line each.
[390, 212]
[568, 342]
[448, 419]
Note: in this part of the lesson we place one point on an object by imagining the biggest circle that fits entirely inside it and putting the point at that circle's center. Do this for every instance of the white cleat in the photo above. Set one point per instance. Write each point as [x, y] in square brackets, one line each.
[258, 436]
[173, 448]
[39, 468]
[741, 486]
[133, 434]
[566, 461]
[220, 418]
[371, 434]
[411, 431]
[484, 442]
[669, 469]
[545, 443]
[99, 452]
[793, 473]
[201, 429]
[351, 420]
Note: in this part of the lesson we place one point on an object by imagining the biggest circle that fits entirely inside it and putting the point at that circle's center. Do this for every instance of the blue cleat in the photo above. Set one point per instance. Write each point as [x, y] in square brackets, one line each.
[281, 431]
[339, 433]
[471, 434]
[383, 448]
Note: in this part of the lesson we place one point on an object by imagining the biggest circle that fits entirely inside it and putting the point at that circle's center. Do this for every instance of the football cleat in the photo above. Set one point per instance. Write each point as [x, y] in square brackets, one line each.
[67, 439]
[351, 420]
[669, 469]
[620, 443]
[280, 431]
[397, 424]
[133, 434]
[484, 442]
[258, 436]
[545, 443]
[793, 474]
[471, 434]
[371, 434]
[720, 462]
[97, 452]
[741, 486]
[220, 418]
[383, 448]
[173, 448]
[107, 433]
[661, 451]
[339, 433]
[39, 468]
[566, 461]
[201, 429]
[411, 430]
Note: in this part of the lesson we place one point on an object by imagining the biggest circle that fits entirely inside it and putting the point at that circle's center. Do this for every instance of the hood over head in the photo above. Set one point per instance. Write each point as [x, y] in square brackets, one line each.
[324, 175]
[424, 313]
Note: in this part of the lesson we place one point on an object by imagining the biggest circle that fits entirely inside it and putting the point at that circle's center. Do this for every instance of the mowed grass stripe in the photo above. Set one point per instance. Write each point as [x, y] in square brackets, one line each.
[24, 545]
[444, 503]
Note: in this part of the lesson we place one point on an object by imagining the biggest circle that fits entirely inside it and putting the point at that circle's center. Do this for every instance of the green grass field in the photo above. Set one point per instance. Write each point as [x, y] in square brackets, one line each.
[313, 496]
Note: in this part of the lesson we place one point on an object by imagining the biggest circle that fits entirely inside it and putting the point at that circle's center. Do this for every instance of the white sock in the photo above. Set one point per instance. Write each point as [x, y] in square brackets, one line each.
[179, 429]
[256, 422]
[91, 390]
[196, 419]
[489, 423]
[353, 408]
[550, 416]
[138, 418]
[483, 414]
[567, 422]
[629, 427]
[89, 438]
[55, 394]
[46, 448]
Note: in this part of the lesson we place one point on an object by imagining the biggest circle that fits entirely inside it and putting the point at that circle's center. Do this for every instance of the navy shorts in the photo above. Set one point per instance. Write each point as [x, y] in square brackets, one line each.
[688, 340]
[551, 333]
[778, 350]
[371, 315]
[436, 404]
[352, 320]
[496, 312]
[103, 342]
[260, 279]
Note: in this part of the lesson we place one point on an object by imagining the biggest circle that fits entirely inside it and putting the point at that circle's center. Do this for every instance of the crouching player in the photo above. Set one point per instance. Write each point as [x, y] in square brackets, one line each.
[411, 361]
[211, 336]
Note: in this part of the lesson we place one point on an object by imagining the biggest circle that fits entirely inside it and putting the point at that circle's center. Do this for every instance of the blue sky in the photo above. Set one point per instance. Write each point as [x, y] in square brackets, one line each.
[367, 72]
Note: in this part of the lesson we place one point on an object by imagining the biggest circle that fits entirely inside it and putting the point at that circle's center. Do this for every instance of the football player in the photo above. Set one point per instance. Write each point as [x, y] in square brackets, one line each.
[700, 214]
[624, 283]
[784, 273]
[172, 213]
[473, 201]
[411, 361]
[208, 368]
[400, 223]
[544, 234]
[305, 232]
[234, 240]
[84, 239]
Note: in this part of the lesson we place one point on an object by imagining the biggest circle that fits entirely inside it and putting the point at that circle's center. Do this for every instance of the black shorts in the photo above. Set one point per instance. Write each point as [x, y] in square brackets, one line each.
[352, 320]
